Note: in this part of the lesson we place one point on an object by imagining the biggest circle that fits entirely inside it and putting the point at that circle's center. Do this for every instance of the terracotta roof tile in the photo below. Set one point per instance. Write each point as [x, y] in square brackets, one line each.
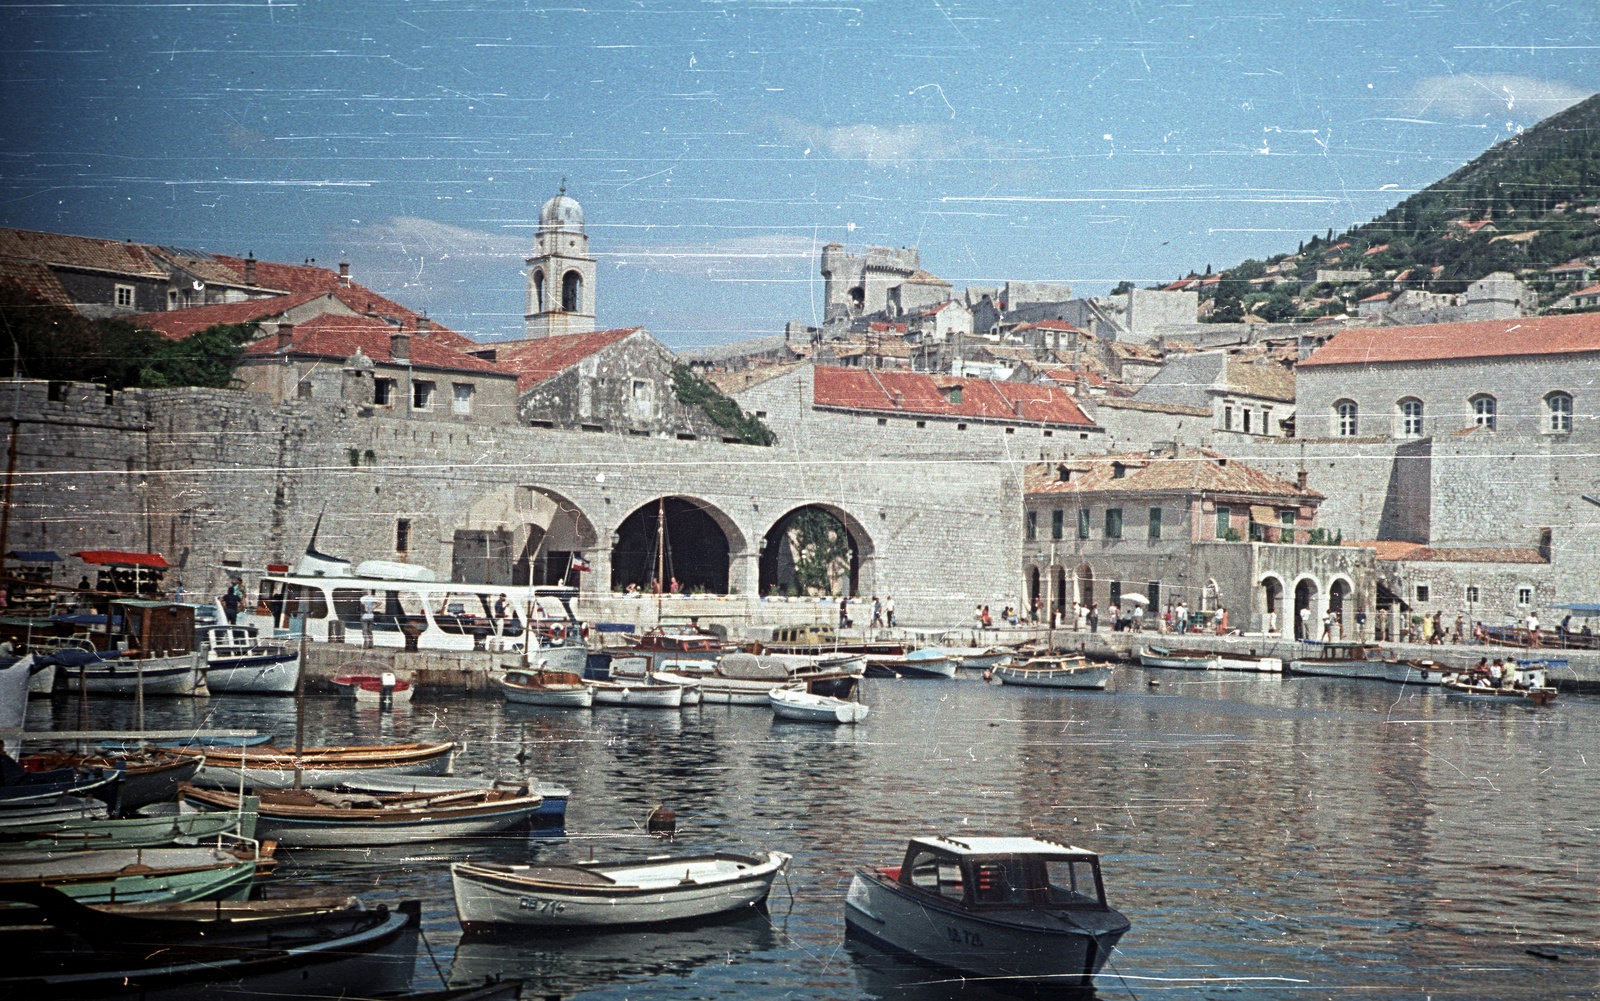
[1272, 382]
[919, 393]
[78, 252]
[339, 337]
[534, 361]
[36, 280]
[1416, 552]
[177, 324]
[1545, 335]
[1388, 550]
[1192, 471]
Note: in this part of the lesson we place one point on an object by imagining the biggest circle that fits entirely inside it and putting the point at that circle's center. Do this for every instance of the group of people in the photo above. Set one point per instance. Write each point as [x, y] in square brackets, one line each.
[1496, 674]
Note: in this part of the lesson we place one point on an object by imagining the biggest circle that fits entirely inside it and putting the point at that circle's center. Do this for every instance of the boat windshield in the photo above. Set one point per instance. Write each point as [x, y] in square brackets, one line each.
[938, 874]
[1075, 881]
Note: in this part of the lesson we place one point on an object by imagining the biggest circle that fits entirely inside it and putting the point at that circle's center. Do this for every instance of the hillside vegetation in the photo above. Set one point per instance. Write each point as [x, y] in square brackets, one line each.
[1526, 205]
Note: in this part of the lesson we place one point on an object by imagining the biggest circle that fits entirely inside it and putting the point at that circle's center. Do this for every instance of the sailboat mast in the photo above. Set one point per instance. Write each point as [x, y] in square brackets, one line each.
[661, 551]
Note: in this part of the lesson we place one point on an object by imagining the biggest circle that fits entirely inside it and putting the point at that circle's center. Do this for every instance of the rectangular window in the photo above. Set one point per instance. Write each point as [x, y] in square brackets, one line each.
[1152, 591]
[1155, 523]
[1058, 519]
[462, 404]
[402, 535]
[760, 414]
[1113, 522]
[1423, 592]
[1227, 418]
[638, 389]
[1083, 523]
[422, 396]
[383, 392]
[123, 296]
[883, 422]
[1224, 522]
[1472, 594]
[1524, 595]
[1116, 592]
[1032, 525]
[1247, 421]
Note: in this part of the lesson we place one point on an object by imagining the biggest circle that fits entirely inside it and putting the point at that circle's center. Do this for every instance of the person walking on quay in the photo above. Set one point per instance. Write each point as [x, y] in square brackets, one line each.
[1461, 630]
[1183, 616]
[1533, 628]
[888, 610]
[877, 613]
[1327, 626]
[1438, 627]
[1094, 617]
[984, 618]
[1033, 613]
[1305, 623]
[844, 612]
[230, 603]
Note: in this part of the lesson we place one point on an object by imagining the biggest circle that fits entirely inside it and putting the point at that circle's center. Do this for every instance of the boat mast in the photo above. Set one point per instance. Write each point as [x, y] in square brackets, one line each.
[661, 551]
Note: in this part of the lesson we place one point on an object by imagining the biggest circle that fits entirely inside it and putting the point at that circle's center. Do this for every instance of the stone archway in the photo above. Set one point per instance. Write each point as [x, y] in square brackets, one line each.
[1035, 598]
[1339, 602]
[1271, 591]
[1083, 585]
[522, 535]
[814, 549]
[1307, 626]
[1059, 590]
[675, 537]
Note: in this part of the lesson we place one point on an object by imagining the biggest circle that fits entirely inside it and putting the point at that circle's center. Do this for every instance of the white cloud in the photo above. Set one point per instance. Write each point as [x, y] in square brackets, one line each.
[412, 237]
[1464, 95]
[880, 145]
[759, 255]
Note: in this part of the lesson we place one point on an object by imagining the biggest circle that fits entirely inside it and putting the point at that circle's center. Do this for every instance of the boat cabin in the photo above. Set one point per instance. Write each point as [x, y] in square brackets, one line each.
[153, 628]
[1002, 872]
[1347, 651]
[816, 634]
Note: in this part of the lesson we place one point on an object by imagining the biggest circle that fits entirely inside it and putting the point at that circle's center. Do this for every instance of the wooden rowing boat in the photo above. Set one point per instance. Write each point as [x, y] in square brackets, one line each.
[269, 767]
[322, 818]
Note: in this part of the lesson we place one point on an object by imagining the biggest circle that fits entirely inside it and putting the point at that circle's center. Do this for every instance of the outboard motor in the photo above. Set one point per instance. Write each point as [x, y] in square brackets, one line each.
[386, 690]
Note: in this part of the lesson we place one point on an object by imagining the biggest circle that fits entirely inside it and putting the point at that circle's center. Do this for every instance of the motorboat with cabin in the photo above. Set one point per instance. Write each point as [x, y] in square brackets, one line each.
[1343, 660]
[141, 648]
[1009, 908]
[238, 661]
[821, 639]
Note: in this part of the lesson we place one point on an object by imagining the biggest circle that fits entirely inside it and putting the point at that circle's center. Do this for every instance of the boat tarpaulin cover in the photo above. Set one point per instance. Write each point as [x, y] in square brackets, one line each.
[1587, 609]
[113, 558]
[34, 556]
[749, 667]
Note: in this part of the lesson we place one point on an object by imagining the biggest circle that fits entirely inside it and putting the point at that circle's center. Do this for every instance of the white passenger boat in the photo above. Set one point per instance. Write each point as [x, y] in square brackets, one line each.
[547, 688]
[1188, 660]
[238, 661]
[1013, 909]
[803, 707]
[1228, 660]
[606, 894]
[1343, 660]
[636, 694]
[1054, 672]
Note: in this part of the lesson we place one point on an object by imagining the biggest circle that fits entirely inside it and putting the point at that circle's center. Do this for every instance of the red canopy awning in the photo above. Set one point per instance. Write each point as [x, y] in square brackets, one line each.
[112, 558]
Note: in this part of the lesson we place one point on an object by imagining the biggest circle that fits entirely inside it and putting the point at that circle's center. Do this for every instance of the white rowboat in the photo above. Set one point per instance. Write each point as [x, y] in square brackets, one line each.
[607, 894]
[804, 707]
[547, 688]
[636, 694]
[1054, 672]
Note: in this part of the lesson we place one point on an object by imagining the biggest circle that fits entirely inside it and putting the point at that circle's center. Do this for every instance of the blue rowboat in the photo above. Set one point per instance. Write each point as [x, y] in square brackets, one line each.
[135, 876]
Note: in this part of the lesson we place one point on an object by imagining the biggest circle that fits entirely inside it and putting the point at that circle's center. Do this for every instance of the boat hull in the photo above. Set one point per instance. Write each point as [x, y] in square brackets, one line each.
[1499, 696]
[404, 827]
[1151, 658]
[1058, 957]
[1093, 677]
[802, 707]
[1412, 674]
[1361, 669]
[270, 675]
[85, 832]
[487, 898]
[181, 676]
[637, 696]
[579, 698]
[1263, 665]
[982, 661]
[140, 876]
[275, 768]
[906, 667]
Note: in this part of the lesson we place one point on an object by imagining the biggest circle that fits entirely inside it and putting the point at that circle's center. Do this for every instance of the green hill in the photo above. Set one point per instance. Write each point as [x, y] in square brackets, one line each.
[1526, 205]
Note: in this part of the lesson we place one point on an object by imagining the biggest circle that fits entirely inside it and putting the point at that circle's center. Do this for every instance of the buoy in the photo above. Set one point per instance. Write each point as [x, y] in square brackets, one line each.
[662, 823]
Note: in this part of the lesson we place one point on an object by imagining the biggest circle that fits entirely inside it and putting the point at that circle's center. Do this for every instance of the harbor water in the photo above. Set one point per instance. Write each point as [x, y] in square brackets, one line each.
[1269, 837]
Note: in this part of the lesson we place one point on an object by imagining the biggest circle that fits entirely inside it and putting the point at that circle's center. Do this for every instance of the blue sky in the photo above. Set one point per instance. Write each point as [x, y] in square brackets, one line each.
[716, 145]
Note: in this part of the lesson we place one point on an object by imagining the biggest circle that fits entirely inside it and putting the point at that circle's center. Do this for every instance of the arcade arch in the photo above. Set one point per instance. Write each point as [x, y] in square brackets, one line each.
[1307, 626]
[1272, 605]
[1339, 606]
[521, 535]
[674, 537]
[814, 549]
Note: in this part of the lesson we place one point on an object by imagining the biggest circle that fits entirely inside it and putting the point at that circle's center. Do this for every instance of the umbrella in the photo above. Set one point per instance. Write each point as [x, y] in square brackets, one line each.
[1137, 599]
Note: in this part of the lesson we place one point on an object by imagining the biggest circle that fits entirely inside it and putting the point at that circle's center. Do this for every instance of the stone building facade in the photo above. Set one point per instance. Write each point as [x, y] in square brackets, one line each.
[1185, 525]
[215, 479]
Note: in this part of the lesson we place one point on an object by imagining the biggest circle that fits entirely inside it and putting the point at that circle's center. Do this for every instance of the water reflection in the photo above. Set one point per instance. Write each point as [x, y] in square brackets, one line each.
[573, 963]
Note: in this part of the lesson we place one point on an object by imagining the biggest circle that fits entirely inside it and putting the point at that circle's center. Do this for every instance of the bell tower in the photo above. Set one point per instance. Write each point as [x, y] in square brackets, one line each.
[561, 273]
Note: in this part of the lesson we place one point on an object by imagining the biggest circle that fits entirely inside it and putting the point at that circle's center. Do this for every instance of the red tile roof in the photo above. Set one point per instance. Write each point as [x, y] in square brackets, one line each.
[177, 324]
[1545, 335]
[534, 361]
[1380, 248]
[1192, 471]
[1377, 297]
[339, 337]
[919, 393]
[1417, 552]
[35, 280]
[78, 252]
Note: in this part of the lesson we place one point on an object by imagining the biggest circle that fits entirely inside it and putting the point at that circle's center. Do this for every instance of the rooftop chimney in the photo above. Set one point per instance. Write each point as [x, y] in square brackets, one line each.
[400, 346]
[285, 335]
[424, 325]
[1300, 479]
[250, 269]
[344, 273]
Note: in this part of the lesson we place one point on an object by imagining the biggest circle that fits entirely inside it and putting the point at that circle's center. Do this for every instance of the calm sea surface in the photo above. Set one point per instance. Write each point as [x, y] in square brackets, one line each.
[1268, 837]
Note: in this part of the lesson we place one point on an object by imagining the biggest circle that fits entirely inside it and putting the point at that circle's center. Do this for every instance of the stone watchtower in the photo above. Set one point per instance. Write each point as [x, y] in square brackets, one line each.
[560, 272]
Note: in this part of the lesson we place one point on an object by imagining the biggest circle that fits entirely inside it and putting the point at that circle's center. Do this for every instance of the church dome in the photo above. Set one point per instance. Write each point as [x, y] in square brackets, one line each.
[561, 213]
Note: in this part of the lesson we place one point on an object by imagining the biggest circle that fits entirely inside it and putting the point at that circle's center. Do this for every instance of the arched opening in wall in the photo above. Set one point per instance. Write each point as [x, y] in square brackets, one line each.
[1210, 596]
[858, 300]
[1083, 585]
[1306, 623]
[572, 292]
[1338, 607]
[1034, 600]
[813, 550]
[671, 538]
[538, 291]
[1059, 589]
[522, 535]
[1272, 606]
